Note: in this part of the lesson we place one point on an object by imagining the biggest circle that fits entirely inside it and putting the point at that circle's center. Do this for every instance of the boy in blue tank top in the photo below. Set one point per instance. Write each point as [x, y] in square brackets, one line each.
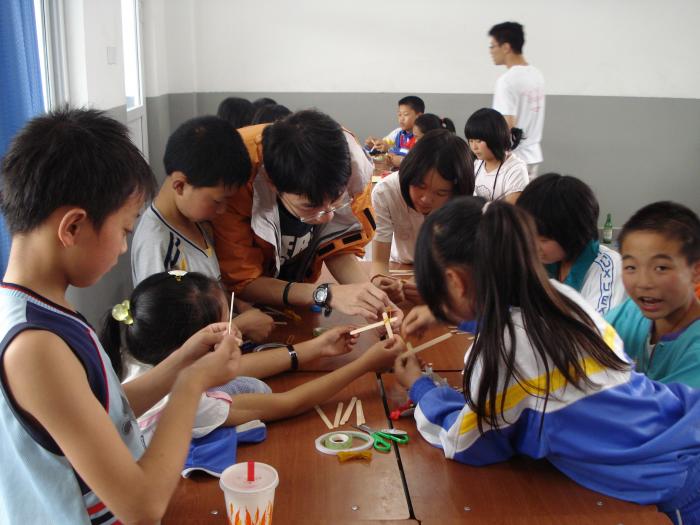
[71, 452]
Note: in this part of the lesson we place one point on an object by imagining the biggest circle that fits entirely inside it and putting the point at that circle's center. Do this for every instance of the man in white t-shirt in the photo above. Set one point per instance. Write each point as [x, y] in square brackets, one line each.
[519, 93]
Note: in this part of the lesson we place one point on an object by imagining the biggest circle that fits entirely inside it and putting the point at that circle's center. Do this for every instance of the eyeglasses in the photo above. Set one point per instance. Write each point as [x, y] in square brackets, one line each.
[318, 215]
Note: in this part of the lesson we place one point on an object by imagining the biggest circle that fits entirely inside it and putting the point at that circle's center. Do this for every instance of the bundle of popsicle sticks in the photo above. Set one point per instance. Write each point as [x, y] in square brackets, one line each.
[341, 417]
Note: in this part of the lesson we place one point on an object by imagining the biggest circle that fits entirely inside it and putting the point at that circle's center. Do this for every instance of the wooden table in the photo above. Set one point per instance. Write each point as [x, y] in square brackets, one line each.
[417, 485]
[314, 487]
[519, 491]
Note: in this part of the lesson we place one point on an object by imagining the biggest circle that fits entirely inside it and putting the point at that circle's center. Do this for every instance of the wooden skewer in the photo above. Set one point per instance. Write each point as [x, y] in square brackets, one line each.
[348, 410]
[360, 414]
[230, 315]
[428, 344]
[323, 417]
[387, 323]
[338, 414]
[369, 327]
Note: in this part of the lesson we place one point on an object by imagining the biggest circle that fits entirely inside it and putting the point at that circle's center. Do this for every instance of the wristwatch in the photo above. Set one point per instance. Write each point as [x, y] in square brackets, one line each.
[322, 297]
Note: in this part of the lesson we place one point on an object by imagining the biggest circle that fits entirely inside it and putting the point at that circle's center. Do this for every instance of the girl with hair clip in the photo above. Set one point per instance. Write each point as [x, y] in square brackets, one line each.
[499, 173]
[165, 309]
[546, 377]
[430, 121]
[436, 169]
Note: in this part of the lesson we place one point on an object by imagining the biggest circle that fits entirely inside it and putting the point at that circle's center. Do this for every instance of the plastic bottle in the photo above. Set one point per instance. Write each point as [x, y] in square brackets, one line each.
[608, 230]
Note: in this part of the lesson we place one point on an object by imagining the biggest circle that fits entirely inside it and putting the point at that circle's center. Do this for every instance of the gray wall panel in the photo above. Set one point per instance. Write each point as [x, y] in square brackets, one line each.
[632, 151]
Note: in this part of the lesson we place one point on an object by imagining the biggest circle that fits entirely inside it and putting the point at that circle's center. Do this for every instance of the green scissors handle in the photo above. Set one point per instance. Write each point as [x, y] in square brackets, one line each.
[399, 436]
[383, 438]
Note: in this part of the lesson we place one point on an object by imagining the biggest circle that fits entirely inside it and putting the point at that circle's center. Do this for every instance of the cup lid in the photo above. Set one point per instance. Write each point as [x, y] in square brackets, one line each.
[235, 478]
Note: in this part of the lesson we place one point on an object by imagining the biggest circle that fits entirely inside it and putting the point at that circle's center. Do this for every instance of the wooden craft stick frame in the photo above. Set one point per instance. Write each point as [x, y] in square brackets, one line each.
[370, 326]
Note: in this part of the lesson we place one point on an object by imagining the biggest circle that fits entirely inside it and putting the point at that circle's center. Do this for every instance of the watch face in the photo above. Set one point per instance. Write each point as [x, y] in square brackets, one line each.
[321, 294]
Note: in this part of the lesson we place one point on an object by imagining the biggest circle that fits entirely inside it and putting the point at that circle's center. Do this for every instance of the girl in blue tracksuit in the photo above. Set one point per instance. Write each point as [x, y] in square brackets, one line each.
[547, 377]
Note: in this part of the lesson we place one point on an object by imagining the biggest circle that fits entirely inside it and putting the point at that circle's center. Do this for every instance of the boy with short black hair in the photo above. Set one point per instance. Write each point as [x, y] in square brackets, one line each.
[660, 322]
[71, 450]
[399, 141]
[307, 203]
[205, 162]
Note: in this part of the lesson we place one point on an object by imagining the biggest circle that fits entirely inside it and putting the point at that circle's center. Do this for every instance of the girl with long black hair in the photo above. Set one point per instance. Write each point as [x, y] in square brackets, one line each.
[547, 377]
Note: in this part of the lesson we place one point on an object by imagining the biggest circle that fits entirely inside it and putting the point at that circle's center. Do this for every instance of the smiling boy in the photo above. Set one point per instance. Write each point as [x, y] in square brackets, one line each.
[660, 323]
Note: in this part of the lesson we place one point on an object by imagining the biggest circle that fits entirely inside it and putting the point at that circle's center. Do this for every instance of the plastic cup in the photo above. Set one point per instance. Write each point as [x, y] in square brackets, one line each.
[249, 501]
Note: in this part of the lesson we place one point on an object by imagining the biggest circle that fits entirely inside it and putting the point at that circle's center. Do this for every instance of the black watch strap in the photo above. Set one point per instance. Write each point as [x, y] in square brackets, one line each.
[294, 358]
[285, 294]
[326, 305]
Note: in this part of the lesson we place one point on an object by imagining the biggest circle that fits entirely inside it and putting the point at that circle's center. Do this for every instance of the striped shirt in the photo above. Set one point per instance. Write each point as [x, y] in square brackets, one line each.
[159, 247]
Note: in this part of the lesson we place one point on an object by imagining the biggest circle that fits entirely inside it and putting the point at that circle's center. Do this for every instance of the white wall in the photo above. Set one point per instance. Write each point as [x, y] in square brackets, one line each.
[631, 48]
[91, 27]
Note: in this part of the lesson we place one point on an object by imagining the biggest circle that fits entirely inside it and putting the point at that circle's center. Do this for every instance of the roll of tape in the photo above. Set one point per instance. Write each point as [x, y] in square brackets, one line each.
[339, 441]
[357, 441]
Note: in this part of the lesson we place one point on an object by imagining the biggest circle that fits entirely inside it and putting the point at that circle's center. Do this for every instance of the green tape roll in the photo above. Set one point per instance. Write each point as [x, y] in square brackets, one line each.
[338, 441]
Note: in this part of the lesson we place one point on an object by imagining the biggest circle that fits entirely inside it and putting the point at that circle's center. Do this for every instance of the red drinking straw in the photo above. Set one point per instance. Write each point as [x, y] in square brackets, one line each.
[251, 471]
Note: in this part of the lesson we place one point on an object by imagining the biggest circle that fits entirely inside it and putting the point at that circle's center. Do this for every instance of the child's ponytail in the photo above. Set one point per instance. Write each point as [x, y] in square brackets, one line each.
[111, 339]
[448, 124]
[516, 136]
[508, 274]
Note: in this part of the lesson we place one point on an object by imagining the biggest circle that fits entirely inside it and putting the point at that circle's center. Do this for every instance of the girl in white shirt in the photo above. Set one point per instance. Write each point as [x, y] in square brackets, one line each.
[499, 173]
[437, 168]
[165, 309]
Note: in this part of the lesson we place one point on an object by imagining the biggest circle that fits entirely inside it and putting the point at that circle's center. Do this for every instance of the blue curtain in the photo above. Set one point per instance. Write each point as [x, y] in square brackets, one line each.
[20, 82]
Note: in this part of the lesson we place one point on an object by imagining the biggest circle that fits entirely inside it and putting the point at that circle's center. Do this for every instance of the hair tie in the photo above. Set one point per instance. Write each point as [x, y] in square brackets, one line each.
[121, 312]
[178, 274]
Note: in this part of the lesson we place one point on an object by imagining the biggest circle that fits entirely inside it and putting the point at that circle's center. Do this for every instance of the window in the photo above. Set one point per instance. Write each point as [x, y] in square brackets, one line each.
[50, 36]
[132, 52]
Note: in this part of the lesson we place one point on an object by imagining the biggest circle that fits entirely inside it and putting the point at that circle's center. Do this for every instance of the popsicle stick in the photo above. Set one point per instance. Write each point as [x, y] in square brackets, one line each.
[368, 327]
[323, 417]
[348, 410]
[359, 413]
[401, 272]
[387, 323]
[280, 323]
[230, 315]
[428, 344]
[338, 414]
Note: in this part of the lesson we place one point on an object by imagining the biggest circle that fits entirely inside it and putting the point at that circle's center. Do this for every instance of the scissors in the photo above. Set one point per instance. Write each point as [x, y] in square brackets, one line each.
[383, 438]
